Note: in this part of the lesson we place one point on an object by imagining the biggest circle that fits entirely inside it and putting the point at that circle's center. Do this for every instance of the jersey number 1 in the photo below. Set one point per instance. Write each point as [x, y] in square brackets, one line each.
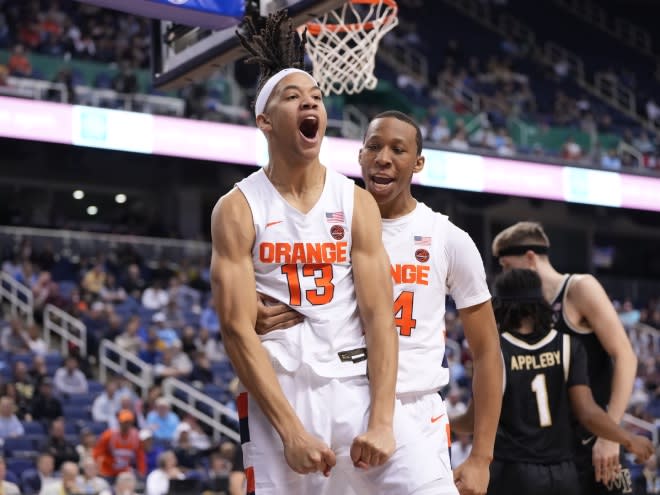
[403, 313]
[322, 274]
[540, 389]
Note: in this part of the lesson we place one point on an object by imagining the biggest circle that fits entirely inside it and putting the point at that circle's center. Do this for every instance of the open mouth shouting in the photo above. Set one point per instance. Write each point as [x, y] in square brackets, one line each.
[309, 128]
[380, 182]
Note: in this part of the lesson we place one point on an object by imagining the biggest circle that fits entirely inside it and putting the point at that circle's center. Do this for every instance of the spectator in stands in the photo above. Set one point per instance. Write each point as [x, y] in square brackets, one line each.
[69, 380]
[174, 363]
[155, 297]
[162, 420]
[210, 345]
[67, 485]
[571, 150]
[35, 341]
[173, 315]
[186, 297]
[151, 353]
[87, 443]
[201, 371]
[151, 449]
[44, 475]
[58, 446]
[187, 455]
[125, 484]
[10, 426]
[454, 404]
[217, 475]
[119, 450]
[196, 435]
[38, 369]
[26, 275]
[25, 389]
[45, 407]
[19, 64]
[129, 340]
[209, 319]
[653, 110]
[459, 141]
[94, 279]
[12, 338]
[460, 449]
[90, 483]
[111, 291]
[6, 488]
[167, 335]
[188, 338]
[158, 481]
[106, 405]
[133, 282]
[4, 75]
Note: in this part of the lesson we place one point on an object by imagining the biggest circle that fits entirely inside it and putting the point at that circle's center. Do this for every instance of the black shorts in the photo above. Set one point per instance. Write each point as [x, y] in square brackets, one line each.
[517, 478]
[584, 461]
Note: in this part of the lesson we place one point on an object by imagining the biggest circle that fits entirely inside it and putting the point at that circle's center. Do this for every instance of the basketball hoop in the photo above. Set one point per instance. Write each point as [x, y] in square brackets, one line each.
[343, 44]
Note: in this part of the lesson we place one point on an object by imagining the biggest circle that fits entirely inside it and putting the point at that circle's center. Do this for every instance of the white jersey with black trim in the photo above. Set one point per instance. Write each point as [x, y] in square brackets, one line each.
[431, 258]
[304, 261]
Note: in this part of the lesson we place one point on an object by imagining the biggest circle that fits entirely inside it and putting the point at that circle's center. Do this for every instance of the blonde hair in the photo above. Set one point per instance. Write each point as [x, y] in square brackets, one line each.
[518, 234]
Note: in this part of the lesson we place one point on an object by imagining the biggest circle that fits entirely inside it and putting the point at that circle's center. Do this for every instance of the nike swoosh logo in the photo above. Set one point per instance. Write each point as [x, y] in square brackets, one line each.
[436, 418]
[587, 440]
[270, 224]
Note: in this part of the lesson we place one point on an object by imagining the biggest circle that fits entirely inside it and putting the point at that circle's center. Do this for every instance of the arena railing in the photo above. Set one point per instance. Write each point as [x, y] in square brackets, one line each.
[18, 296]
[645, 340]
[90, 243]
[174, 389]
[121, 362]
[66, 327]
[652, 428]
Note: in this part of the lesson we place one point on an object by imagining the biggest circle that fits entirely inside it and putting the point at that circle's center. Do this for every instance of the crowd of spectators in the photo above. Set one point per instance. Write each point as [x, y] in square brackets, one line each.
[502, 84]
[60, 427]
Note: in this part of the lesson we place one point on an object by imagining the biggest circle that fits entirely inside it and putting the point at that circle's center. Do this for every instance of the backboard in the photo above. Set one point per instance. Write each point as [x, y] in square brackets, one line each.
[182, 55]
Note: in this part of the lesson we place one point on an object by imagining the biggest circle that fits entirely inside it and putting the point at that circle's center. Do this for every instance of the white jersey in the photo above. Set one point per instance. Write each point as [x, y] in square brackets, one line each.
[304, 261]
[431, 258]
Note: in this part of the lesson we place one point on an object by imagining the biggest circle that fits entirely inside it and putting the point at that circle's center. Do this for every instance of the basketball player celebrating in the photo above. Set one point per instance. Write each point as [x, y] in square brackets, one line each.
[430, 257]
[546, 377]
[582, 309]
[309, 237]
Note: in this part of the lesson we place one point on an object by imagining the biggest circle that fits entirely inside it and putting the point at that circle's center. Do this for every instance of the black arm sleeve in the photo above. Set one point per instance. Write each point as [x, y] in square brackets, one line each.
[577, 371]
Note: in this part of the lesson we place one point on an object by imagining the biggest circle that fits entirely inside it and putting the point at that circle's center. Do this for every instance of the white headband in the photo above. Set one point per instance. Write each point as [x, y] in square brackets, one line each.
[267, 89]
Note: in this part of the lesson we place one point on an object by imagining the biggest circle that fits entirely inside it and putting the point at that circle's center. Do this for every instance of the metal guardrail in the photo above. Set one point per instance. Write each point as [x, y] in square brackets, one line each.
[652, 428]
[611, 89]
[24, 87]
[194, 396]
[18, 296]
[117, 360]
[68, 328]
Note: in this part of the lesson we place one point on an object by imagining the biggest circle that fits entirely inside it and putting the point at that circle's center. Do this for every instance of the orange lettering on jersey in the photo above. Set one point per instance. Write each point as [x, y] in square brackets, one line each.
[298, 255]
[282, 252]
[303, 253]
[313, 252]
[266, 252]
[410, 274]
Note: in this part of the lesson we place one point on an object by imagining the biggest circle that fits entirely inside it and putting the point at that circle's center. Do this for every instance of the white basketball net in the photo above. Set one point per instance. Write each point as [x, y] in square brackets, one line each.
[343, 44]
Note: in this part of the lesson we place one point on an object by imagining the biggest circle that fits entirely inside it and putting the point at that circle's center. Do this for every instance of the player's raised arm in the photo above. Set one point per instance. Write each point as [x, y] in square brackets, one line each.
[373, 287]
[233, 284]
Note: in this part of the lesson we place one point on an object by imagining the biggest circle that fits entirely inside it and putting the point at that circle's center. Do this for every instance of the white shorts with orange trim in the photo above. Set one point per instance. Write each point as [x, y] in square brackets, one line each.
[336, 410]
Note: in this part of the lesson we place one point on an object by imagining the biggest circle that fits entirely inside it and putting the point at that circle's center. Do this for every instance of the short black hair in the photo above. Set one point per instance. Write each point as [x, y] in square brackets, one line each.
[509, 313]
[395, 114]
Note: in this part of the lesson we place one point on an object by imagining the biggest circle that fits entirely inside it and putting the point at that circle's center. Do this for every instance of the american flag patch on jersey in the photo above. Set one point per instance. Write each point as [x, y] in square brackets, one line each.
[421, 240]
[335, 217]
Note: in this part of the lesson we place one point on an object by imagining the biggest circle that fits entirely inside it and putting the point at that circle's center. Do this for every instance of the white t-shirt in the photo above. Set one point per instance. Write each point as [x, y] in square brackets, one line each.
[431, 258]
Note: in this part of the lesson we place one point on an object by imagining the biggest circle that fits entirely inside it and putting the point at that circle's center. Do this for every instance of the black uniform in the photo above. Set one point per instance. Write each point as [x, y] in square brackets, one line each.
[534, 443]
[599, 369]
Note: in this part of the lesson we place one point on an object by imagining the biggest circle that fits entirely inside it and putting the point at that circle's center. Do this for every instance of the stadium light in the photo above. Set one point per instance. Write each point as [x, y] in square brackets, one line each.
[120, 198]
[92, 210]
[78, 194]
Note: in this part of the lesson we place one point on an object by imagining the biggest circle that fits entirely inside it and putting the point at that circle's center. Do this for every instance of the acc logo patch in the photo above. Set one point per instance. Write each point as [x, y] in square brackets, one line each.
[422, 255]
[337, 232]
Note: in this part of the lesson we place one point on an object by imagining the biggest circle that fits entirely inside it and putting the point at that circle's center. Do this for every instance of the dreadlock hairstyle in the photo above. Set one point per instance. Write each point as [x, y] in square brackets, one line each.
[273, 43]
[518, 296]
